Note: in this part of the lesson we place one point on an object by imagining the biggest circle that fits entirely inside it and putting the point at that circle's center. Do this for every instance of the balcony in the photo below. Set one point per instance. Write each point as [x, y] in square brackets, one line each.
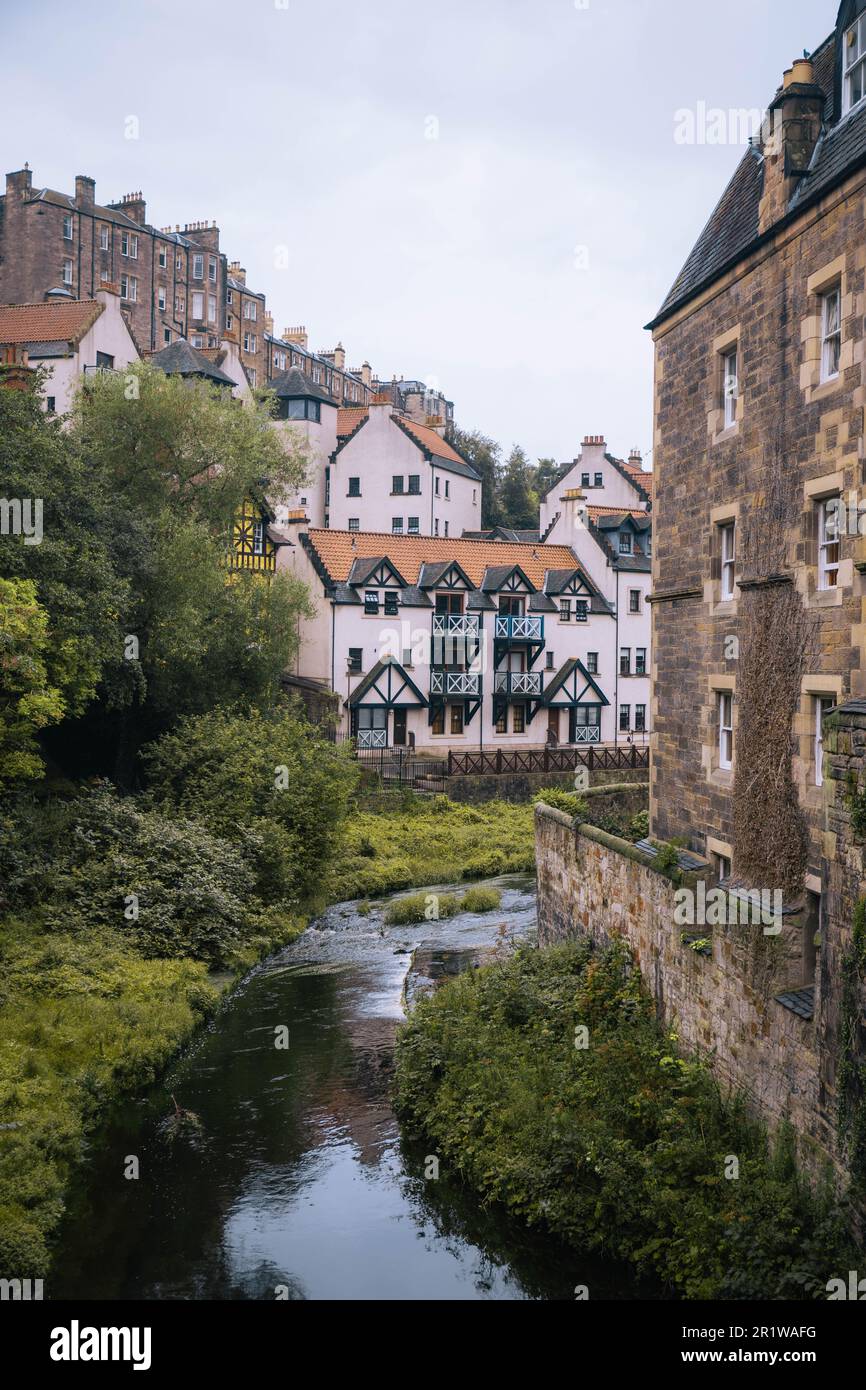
[457, 685]
[517, 685]
[527, 629]
[455, 625]
[372, 738]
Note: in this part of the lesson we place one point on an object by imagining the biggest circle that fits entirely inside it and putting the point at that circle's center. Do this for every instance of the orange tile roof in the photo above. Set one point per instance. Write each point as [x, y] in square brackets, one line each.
[65, 321]
[429, 439]
[348, 417]
[338, 551]
[596, 512]
[645, 479]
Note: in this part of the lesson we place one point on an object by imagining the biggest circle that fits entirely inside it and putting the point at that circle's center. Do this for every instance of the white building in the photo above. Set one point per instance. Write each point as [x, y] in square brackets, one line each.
[450, 643]
[389, 473]
[69, 338]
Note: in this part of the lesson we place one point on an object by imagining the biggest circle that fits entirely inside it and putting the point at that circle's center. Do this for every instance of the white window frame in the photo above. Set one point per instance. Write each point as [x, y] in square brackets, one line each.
[831, 338]
[258, 538]
[211, 308]
[212, 270]
[198, 305]
[250, 311]
[104, 239]
[162, 258]
[161, 298]
[197, 266]
[67, 272]
[728, 546]
[829, 537]
[854, 64]
[179, 304]
[730, 385]
[822, 704]
[725, 702]
[67, 226]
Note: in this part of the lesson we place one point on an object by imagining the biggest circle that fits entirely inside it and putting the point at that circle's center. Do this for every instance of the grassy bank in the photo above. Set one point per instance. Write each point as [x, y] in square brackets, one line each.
[423, 842]
[620, 1146]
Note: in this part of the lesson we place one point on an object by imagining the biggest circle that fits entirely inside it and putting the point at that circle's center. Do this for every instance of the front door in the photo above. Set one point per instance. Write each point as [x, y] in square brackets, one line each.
[553, 726]
[400, 728]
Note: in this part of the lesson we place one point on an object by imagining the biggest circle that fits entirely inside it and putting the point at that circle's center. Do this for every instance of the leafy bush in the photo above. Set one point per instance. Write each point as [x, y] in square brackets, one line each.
[619, 1147]
[569, 802]
[421, 907]
[638, 827]
[240, 772]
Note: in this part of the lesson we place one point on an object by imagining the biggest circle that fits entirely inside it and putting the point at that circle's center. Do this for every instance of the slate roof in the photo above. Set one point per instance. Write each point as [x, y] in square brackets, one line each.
[55, 321]
[799, 1001]
[294, 384]
[180, 358]
[733, 228]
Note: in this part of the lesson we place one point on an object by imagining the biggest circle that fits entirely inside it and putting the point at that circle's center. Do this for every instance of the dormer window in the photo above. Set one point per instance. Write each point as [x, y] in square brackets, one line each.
[625, 543]
[854, 64]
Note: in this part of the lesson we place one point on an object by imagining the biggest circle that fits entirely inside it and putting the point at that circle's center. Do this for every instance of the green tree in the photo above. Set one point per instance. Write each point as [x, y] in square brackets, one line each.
[544, 476]
[485, 456]
[519, 503]
[28, 701]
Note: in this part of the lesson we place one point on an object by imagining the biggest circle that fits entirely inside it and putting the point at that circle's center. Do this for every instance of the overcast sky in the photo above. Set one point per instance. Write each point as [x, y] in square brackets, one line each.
[484, 192]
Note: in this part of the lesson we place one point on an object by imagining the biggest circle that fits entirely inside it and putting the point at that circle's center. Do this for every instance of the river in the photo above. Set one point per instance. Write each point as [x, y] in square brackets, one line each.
[295, 1182]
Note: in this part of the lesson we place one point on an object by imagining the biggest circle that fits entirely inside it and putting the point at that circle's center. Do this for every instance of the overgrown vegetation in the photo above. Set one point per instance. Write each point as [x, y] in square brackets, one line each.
[421, 907]
[851, 1080]
[588, 811]
[431, 841]
[621, 1146]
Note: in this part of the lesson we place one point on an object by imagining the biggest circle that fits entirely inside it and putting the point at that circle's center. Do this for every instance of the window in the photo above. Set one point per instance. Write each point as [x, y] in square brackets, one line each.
[105, 359]
[229, 323]
[67, 272]
[599, 480]
[198, 267]
[831, 333]
[179, 304]
[162, 257]
[354, 523]
[446, 528]
[250, 310]
[414, 527]
[502, 721]
[592, 663]
[258, 538]
[565, 610]
[728, 539]
[129, 245]
[414, 484]
[301, 410]
[730, 386]
[371, 602]
[391, 605]
[178, 261]
[726, 729]
[212, 270]
[550, 660]
[129, 288]
[457, 719]
[625, 661]
[249, 342]
[438, 725]
[197, 340]
[828, 544]
[634, 600]
[437, 487]
[584, 480]
[722, 865]
[161, 298]
[640, 661]
[823, 705]
[211, 308]
[397, 485]
[436, 527]
[51, 404]
[518, 719]
[166, 336]
[198, 305]
[581, 610]
[104, 238]
[640, 719]
[67, 227]
[854, 64]
[447, 488]
[356, 659]
[625, 545]
[230, 299]
[624, 718]
[397, 525]
[354, 487]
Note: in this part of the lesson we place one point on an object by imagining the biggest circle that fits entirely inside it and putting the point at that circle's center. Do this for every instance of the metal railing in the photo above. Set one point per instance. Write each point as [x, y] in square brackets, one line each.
[525, 683]
[455, 625]
[506, 761]
[457, 683]
[526, 629]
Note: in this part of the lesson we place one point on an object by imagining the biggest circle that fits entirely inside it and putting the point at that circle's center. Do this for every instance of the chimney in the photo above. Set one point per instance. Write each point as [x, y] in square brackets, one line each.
[20, 183]
[237, 272]
[269, 324]
[85, 191]
[340, 357]
[133, 205]
[296, 335]
[635, 458]
[574, 514]
[366, 373]
[788, 138]
[593, 451]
